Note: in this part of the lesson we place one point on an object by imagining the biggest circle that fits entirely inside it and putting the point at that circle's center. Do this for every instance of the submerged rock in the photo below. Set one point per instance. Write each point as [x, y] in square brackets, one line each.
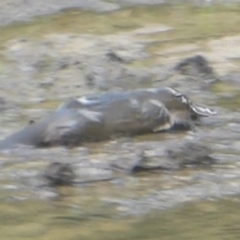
[64, 174]
[129, 162]
[195, 66]
[189, 153]
[170, 157]
[178, 155]
[193, 74]
[131, 158]
[58, 174]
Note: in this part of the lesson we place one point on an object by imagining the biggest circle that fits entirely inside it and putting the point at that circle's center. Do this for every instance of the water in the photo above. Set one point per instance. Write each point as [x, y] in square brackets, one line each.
[44, 220]
[107, 210]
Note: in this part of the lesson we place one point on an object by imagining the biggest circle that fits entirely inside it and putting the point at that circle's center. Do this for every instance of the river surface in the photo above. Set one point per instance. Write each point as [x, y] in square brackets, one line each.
[55, 57]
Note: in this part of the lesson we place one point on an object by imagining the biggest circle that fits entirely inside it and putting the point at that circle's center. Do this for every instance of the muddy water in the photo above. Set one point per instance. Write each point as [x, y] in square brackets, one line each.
[46, 61]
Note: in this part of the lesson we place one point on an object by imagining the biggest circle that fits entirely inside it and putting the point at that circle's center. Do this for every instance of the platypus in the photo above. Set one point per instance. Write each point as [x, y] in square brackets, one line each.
[99, 117]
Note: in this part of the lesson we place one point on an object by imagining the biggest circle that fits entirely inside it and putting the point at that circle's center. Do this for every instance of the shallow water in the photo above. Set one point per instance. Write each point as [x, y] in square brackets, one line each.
[44, 220]
[29, 211]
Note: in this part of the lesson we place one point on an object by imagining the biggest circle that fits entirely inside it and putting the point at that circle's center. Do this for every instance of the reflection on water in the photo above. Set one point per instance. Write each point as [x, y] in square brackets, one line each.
[212, 220]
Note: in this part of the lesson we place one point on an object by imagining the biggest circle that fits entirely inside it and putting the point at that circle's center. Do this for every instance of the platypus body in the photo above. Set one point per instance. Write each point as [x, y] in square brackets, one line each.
[99, 117]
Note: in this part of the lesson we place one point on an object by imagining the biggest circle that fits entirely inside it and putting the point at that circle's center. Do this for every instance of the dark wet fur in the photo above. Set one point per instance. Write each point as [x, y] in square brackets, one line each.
[108, 115]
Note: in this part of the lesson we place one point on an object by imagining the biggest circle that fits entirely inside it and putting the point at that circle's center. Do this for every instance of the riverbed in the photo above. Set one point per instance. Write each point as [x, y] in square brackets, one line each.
[52, 58]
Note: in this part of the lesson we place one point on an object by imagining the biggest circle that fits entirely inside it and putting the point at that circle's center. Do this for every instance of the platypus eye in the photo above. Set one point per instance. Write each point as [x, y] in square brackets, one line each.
[182, 98]
[179, 96]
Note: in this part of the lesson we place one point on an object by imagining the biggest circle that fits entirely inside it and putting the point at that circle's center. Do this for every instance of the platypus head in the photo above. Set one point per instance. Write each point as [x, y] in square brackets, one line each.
[182, 110]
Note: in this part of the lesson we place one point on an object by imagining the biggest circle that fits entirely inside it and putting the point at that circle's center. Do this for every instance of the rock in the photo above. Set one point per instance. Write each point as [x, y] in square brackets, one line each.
[133, 163]
[170, 156]
[193, 74]
[189, 153]
[196, 66]
[85, 172]
[176, 155]
[113, 56]
[129, 158]
[31, 121]
[3, 104]
[130, 162]
[58, 174]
